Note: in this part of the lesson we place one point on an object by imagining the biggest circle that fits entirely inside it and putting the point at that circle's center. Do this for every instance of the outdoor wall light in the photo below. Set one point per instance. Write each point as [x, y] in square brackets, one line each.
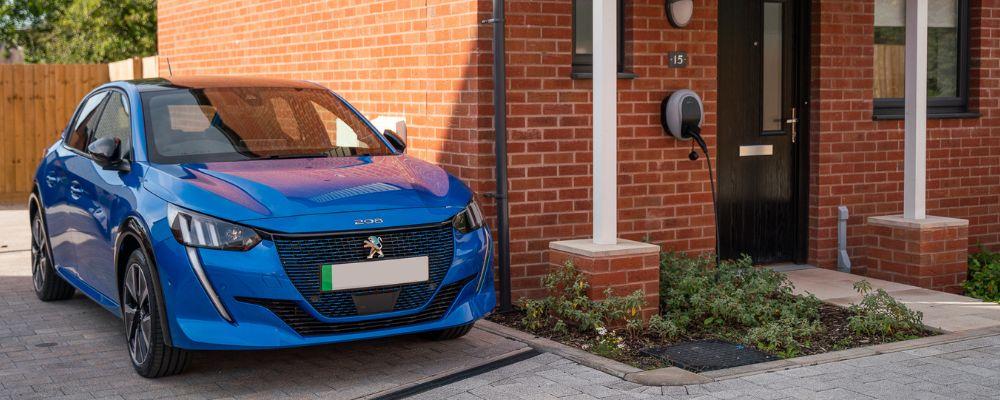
[679, 12]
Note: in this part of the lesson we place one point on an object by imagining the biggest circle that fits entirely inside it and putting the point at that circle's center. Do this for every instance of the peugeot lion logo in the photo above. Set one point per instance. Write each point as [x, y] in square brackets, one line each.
[374, 243]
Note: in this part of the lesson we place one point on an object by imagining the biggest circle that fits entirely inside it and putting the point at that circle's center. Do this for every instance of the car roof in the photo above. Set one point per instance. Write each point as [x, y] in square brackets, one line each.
[203, 82]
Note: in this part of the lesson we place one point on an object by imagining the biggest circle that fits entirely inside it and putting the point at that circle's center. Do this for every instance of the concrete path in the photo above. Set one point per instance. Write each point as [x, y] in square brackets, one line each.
[960, 370]
[944, 311]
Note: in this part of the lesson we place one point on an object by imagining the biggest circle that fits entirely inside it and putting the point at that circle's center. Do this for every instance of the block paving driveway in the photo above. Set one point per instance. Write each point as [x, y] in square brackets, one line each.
[74, 349]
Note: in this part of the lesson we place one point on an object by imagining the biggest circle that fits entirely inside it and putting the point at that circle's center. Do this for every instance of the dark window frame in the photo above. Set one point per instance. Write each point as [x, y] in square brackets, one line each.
[583, 64]
[71, 129]
[940, 107]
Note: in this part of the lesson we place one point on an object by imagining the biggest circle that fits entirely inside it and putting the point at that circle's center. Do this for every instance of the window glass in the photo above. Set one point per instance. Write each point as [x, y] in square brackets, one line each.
[85, 122]
[115, 122]
[583, 35]
[233, 124]
[772, 84]
[338, 131]
[942, 48]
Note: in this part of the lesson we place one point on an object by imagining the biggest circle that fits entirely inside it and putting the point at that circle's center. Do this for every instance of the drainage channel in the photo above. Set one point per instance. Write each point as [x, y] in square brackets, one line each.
[457, 376]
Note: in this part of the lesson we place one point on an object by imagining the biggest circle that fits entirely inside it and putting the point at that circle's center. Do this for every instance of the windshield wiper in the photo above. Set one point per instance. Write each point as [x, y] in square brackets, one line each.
[289, 156]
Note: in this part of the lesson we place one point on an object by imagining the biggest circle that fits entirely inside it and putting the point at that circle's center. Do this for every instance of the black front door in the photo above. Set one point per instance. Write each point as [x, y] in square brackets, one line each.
[763, 74]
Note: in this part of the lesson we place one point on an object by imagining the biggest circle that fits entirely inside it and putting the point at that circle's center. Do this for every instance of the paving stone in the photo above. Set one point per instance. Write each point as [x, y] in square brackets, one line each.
[90, 361]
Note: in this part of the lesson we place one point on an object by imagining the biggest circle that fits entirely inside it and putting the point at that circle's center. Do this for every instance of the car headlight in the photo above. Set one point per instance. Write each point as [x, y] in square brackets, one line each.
[470, 219]
[199, 230]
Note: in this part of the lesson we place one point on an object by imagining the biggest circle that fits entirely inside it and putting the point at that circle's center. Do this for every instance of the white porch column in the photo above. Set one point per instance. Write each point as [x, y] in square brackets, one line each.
[915, 153]
[606, 122]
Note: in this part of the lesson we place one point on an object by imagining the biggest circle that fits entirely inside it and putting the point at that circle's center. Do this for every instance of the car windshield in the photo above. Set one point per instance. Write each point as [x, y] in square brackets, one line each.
[252, 123]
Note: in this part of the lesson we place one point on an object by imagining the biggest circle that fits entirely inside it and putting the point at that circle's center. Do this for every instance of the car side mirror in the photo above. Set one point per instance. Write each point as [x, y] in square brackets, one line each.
[106, 152]
[397, 142]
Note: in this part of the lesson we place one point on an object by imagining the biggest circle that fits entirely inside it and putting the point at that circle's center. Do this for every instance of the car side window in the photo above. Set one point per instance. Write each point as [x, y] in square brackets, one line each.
[115, 122]
[85, 122]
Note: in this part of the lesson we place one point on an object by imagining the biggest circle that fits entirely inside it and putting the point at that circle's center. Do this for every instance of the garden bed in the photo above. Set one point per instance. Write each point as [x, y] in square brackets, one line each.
[734, 302]
[837, 336]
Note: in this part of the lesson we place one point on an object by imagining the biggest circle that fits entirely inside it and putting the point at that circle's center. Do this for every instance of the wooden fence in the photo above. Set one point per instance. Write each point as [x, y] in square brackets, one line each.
[134, 68]
[36, 103]
[890, 71]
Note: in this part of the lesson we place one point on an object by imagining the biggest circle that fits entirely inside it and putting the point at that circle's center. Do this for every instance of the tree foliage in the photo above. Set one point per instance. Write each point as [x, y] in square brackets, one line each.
[79, 31]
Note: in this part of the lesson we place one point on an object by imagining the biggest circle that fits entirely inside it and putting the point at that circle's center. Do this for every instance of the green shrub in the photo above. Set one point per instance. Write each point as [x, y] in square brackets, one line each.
[880, 315]
[736, 301]
[567, 306]
[664, 328]
[984, 276]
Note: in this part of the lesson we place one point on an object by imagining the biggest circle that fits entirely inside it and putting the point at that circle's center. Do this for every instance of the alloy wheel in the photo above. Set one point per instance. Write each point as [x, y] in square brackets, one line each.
[39, 254]
[136, 307]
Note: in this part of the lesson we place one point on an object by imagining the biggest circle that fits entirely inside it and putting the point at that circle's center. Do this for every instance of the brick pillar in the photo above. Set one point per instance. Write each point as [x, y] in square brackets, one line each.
[625, 267]
[929, 253]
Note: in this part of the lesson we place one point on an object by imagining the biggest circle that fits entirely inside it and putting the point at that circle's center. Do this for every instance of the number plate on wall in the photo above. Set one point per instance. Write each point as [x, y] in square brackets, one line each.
[677, 59]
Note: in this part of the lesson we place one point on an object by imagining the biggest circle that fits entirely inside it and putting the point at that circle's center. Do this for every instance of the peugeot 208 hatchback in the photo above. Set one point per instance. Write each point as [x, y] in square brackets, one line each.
[239, 213]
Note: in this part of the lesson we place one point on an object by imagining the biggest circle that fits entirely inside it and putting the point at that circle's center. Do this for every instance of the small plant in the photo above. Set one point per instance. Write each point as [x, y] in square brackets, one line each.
[984, 276]
[735, 301]
[567, 306]
[606, 343]
[878, 314]
[786, 337]
[664, 328]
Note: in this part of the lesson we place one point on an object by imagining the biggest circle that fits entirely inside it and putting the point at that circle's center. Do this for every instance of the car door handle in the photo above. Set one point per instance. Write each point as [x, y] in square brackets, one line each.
[75, 190]
[51, 180]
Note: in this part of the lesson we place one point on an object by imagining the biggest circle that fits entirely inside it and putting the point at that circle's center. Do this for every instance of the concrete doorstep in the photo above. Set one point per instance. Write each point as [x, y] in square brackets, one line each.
[943, 312]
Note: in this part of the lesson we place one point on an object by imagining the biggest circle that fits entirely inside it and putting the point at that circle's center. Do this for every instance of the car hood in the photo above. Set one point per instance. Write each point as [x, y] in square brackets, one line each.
[260, 189]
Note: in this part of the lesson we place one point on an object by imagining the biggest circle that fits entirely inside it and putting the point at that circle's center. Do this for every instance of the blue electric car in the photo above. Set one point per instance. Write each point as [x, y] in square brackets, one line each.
[244, 213]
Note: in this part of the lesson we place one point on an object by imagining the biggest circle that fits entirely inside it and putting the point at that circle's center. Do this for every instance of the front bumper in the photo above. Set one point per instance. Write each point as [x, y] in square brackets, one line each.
[249, 284]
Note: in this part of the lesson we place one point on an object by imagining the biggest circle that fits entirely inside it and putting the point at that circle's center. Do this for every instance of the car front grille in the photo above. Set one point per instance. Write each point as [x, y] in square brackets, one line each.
[302, 257]
[306, 325]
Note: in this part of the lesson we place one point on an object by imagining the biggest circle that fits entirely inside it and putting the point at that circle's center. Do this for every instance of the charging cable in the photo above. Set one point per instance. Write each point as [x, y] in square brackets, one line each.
[695, 132]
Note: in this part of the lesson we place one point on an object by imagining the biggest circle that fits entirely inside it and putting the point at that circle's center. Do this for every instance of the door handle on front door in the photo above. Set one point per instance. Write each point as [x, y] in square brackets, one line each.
[51, 180]
[794, 121]
[75, 190]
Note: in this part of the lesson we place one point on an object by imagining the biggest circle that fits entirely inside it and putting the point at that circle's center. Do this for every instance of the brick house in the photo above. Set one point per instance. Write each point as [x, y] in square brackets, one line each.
[837, 64]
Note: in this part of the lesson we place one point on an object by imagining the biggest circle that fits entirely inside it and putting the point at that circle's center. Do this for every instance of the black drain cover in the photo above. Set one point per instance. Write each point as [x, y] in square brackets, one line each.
[708, 355]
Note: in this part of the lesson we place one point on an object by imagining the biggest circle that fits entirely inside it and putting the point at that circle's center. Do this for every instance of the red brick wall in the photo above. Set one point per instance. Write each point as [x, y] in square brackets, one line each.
[623, 275]
[929, 257]
[431, 62]
[858, 162]
[663, 196]
[424, 60]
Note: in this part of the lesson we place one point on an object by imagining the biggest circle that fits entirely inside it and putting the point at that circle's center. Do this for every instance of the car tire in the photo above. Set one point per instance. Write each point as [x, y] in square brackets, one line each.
[49, 286]
[450, 333]
[150, 355]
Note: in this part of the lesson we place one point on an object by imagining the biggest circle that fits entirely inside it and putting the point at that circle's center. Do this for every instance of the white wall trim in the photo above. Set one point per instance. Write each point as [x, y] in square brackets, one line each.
[605, 146]
[915, 153]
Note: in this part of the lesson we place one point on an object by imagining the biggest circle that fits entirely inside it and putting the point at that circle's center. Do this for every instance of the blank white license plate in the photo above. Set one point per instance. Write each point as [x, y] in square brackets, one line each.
[374, 273]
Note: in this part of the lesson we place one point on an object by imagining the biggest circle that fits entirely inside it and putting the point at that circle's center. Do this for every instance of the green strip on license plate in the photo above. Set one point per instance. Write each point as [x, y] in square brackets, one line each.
[326, 282]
